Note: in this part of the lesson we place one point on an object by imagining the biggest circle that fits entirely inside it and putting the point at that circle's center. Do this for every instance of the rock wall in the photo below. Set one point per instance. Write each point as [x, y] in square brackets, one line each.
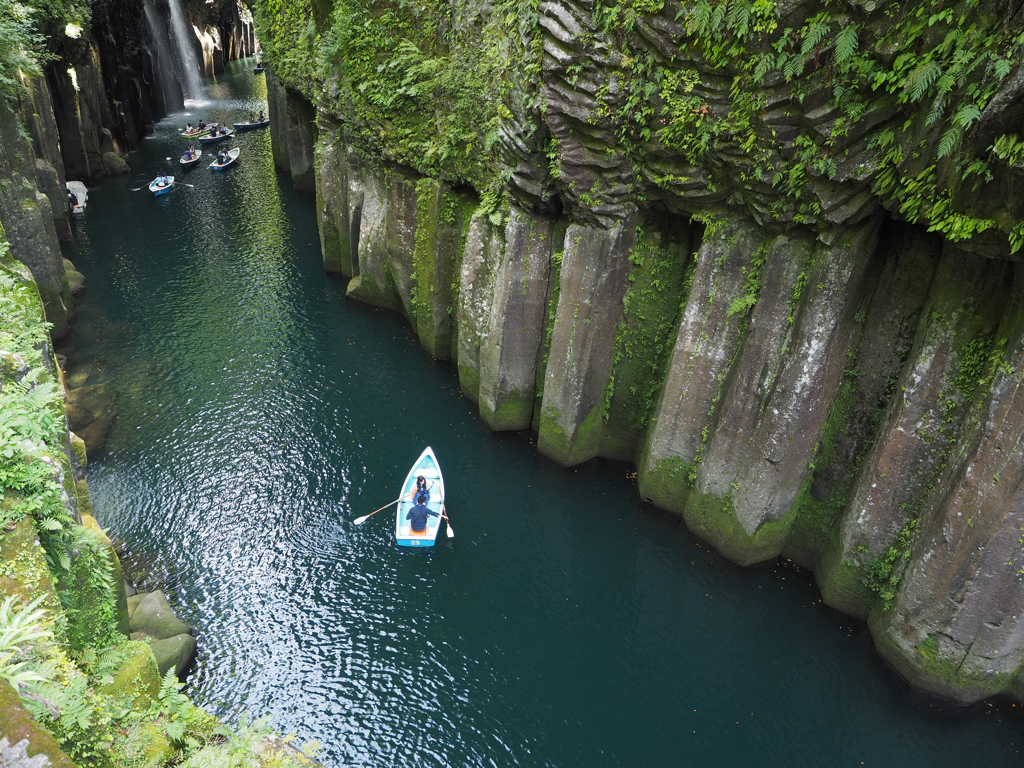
[28, 216]
[709, 249]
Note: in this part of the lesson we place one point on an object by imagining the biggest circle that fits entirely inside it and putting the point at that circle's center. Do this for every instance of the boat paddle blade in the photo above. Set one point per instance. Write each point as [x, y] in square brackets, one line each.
[451, 533]
[361, 520]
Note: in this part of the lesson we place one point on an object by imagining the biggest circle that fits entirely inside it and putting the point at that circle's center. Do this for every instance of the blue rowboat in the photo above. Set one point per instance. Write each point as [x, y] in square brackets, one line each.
[161, 189]
[240, 127]
[208, 139]
[427, 466]
[232, 157]
[193, 162]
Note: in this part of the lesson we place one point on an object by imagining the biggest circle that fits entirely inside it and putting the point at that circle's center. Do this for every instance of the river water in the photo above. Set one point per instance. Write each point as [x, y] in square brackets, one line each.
[566, 624]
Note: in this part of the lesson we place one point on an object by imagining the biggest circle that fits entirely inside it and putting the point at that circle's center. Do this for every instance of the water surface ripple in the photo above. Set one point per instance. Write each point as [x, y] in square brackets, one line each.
[565, 625]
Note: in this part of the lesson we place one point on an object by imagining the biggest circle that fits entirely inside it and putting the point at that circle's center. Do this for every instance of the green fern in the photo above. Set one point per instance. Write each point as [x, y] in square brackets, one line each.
[846, 44]
[921, 79]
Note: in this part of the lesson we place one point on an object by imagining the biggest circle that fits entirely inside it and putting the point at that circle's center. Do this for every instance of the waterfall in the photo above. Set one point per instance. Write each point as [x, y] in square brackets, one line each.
[170, 90]
[181, 31]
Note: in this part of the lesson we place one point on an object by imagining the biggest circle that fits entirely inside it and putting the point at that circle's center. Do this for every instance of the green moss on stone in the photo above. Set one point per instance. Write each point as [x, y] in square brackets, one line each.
[816, 515]
[668, 484]
[565, 448]
[932, 668]
[469, 383]
[136, 683]
[16, 723]
[367, 289]
[714, 519]
[554, 290]
[514, 412]
[23, 569]
[645, 336]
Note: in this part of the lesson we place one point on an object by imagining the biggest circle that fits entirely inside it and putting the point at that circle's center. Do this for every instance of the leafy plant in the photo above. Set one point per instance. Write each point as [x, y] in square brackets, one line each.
[20, 632]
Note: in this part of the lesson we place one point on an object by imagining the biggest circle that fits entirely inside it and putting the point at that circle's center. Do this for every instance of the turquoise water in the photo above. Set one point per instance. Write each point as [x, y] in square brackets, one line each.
[566, 624]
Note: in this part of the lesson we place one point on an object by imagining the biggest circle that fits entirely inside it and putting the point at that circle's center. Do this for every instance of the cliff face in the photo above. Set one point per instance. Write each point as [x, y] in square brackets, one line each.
[765, 251]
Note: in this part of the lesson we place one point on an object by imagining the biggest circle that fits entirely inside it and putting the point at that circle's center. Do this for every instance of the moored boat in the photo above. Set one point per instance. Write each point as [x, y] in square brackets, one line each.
[194, 161]
[240, 127]
[161, 185]
[258, 69]
[232, 157]
[426, 466]
[219, 136]
[78, 194]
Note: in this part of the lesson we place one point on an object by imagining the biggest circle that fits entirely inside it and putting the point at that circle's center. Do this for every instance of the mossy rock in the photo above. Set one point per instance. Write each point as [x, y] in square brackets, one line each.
[78, 417]
[83, 499]
[17, 723]
[154, 616]
[79, 457]
[23, 569]
[114, 164]
[95, 434]
[175, 653]
[121, 594]
[137, 682]
[159, 750]
[76, 281]
[133, 603]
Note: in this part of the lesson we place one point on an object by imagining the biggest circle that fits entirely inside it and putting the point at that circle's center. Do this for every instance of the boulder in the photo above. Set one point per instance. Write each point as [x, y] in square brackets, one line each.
[78, 418]
[95, 434]
[137, 682]
[174, 653]
[76, 280]
[133, 603]
[154, 616]
[115, 165]
[17, 725]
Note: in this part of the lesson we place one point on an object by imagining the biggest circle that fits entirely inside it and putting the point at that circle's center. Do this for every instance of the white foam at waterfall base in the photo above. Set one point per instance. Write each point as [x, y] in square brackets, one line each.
[181, 31]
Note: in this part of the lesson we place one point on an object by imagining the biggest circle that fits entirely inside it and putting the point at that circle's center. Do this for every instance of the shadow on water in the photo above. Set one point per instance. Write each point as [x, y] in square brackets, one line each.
[567, 624]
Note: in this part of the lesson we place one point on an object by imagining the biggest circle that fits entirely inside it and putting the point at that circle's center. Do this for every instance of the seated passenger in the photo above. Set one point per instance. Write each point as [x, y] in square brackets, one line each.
[417, 516]
[421, 488]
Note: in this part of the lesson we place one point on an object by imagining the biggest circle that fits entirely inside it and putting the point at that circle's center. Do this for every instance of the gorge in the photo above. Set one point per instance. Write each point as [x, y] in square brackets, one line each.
[765, 252]
[749, 263]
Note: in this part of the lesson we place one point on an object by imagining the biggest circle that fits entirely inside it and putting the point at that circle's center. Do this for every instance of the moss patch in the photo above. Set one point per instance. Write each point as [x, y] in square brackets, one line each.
[668, 484]
[514, 412]
[565, 448]
[137, 682]
[714, 519]
[16, 723]
[660, 262]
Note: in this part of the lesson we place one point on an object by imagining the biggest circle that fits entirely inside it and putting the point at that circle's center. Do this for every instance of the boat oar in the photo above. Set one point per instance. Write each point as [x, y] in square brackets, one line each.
[364, 518]
[444, 514]
[193, 186]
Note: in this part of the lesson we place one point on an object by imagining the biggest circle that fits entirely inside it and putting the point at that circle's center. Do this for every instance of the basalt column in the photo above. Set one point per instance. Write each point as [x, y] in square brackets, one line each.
[706, 342]
[956, 624]
[775, 402]
[511, 347]
[917, 440]
[593, 279]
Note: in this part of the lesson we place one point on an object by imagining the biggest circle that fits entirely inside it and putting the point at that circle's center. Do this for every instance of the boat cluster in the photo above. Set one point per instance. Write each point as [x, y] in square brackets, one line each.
[208, 134]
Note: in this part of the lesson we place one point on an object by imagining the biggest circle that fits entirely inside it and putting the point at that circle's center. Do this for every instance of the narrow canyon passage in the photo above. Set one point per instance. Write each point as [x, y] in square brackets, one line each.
[566, 624]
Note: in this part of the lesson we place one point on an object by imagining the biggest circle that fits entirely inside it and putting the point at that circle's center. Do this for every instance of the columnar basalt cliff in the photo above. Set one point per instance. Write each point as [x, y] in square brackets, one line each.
[765, 251]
